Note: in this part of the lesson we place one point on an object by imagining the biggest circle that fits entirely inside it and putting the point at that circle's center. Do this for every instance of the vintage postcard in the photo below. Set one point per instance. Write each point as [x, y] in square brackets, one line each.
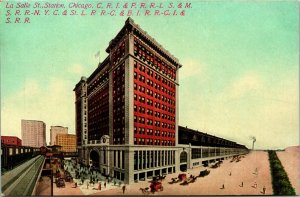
[149, 97]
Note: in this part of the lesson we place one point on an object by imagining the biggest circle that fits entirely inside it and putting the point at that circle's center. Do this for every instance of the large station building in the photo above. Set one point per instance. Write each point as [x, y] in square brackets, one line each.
[127, 113]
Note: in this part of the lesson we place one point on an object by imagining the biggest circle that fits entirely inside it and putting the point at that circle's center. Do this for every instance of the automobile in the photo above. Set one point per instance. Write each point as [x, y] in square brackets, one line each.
[204, 173]
[68, 178]
[60, 182]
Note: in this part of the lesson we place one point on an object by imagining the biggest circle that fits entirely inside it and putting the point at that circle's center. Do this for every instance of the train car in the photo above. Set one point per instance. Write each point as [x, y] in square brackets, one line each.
[12, 155]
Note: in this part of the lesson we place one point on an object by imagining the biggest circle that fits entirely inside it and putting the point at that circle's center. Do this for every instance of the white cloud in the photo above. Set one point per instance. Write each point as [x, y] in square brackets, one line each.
[52, 103]
[249, 105]
[77, 69]
[191, 67]
[250, 82]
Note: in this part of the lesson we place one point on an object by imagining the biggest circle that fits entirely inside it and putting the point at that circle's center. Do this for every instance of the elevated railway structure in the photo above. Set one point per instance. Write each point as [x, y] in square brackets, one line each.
[22, 180]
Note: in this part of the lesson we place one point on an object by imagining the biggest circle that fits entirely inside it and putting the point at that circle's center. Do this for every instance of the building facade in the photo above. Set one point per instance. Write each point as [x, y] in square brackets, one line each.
[33, 133]
[127, 110]
[54, 130]
[11, 140]
[67, 142]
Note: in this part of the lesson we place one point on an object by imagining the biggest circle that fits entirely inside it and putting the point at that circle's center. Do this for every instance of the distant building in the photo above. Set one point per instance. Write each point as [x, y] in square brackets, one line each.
[33, 133]
[67, 142]
[11, 140]
[54, 130]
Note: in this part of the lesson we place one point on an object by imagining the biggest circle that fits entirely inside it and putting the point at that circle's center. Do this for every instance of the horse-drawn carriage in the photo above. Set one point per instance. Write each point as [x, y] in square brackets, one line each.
[182, 177]
[156, 186]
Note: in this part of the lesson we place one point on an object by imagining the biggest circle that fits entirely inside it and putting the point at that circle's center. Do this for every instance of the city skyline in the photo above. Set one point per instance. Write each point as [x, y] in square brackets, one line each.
[239, 77]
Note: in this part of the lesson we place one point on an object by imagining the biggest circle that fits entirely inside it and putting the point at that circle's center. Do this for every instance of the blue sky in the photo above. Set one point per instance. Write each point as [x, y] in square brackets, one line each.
[239, 77]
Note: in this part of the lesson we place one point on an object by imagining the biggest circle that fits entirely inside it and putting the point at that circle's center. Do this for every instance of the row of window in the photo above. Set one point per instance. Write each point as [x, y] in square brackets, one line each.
[119, 79]
[118, 105]
[119, 159]
[155, 104]
[155, 123]
[141, 130]
[118, 130]
[118, 119]
[20, 150]
[149, 82]
[99, 106]
[157, 114]
[97, 83]
[149, 141]
[119, 99]
[154, 94]
[119, 53]
[99, 127]
[119, 140]
[156, 158]
[95, 113]
[152, 74]
[120, 70]
[144, 54]
[205, 152]
[119, 109]
[98, 103]
[118, 89]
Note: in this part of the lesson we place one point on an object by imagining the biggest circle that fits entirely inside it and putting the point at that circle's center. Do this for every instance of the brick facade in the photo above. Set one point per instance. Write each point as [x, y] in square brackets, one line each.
[132, 107]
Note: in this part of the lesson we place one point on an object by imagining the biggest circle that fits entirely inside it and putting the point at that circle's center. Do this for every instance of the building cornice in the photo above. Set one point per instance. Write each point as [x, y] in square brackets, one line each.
[130, 26]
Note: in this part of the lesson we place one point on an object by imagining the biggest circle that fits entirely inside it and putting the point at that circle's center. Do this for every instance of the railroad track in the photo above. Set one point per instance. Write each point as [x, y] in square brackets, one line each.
[23, 183]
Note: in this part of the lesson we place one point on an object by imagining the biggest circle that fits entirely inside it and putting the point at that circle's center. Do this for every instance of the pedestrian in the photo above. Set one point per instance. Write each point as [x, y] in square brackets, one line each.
[242, 184]
[264, 190]
[87, 185]
[99, 186]
[223, 187]
[255, 185]
[104, 184]
[124, 188]
[229, 173]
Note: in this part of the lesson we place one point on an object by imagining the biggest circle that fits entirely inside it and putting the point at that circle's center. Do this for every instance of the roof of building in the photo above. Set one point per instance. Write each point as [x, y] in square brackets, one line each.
[192, 132]
[33, 120]
[101, 65]
[5, 136]
[65, 134]
[83, 79]
[131, 26]
[59, 126]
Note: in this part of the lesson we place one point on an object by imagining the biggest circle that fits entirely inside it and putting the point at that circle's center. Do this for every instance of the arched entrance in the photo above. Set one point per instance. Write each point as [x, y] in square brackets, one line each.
[94, 158]
[183, 161]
